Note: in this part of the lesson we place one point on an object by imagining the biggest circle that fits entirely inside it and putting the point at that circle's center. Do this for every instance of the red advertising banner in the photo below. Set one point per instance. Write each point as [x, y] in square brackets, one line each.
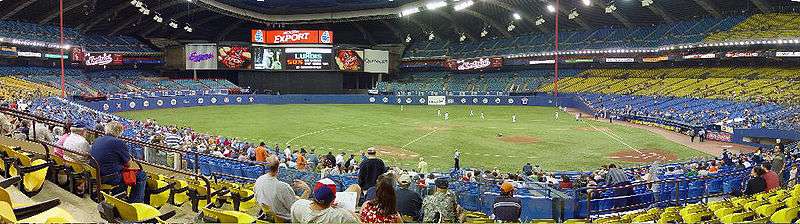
[117, 59]
[719, 136]
[77, 54]
[292, 36]
[474, 64]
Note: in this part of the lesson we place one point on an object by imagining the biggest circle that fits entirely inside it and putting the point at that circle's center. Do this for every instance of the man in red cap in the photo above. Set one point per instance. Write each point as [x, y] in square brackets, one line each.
[320, 209]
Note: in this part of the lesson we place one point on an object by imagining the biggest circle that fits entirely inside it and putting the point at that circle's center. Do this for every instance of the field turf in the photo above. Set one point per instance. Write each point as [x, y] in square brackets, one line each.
[416, 131]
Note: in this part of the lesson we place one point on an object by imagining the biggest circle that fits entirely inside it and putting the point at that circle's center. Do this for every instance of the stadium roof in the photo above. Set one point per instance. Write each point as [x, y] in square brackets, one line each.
[369, 21]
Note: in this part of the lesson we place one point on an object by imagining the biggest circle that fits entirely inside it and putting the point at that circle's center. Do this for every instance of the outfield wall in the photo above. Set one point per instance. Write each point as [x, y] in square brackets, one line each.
[120, 105]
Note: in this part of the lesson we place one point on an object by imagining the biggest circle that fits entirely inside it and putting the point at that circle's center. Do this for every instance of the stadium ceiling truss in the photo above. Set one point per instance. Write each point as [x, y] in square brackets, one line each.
[382, 25]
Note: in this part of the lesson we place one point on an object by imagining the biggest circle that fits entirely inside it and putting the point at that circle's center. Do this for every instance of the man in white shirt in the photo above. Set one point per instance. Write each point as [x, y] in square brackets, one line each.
[268, 190]
[77, 143]
[457, 158]
[340, 159]
[287, 152]
[320, 209]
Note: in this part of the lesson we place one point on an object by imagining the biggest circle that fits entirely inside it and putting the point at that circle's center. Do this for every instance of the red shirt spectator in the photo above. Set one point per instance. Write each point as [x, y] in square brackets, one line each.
[772, 180]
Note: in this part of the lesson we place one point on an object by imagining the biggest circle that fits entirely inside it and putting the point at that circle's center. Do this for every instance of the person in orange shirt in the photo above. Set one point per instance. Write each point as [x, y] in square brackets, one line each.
[261, 152]
[301, 161]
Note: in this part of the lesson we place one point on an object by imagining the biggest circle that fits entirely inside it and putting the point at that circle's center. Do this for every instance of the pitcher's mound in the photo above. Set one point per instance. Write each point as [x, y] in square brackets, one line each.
[519, 139]
[395, 152]
[646, 155]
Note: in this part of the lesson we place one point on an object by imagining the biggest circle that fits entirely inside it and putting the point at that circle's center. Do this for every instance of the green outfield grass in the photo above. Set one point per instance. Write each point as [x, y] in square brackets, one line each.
[563, 144]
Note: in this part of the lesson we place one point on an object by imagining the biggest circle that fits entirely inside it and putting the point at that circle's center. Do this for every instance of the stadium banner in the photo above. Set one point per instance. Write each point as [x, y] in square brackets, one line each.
[29, 54]
[620, 60]
[308, 58]
[787, 54]
[77, 54]
[234, 57]
[540, 62]
[201, 56]
[719, 136]
[268, 58]
[579, 60]
[142, 60]
[348, 60]
[55, 56]
[8, 52]
[437, 100]
[98, 59]
[291, 36]
[119, 105]
[655, 59]
[742, 54]
[376, 61]
[474, 64]
[700, 56]
[117, 59]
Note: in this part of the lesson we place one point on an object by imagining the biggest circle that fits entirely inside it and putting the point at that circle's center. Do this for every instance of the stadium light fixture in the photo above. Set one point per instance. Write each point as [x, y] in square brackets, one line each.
[409, 11]
[516, 16]
[540, 21]
[573, 14]
[463, 5]
[646, 3]
[408, 38]
[586, 2]
[484, 32]
[158, 18]
[511, 27]
[462, 38]
[173, 24]
[551, 8]
[610, 8]
[431, 36]
[435, 5]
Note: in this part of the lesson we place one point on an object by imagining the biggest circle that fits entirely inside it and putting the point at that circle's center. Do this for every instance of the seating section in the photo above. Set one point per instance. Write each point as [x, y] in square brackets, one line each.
[689, 31]
[48, 81]
[518, 81]
[761, 26]
[778, 206]
[15, 88]
[91, 42]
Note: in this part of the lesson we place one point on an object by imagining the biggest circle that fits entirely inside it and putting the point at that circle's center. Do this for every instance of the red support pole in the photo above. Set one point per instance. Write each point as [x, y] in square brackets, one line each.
[61, 26]
[555, 54]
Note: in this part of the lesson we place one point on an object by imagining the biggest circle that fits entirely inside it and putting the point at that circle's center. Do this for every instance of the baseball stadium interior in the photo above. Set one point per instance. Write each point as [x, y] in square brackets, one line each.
[391, 111]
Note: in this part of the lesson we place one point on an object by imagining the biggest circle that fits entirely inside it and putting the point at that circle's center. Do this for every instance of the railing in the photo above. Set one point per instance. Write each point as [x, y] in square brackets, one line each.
[671, 192]
[92, 162]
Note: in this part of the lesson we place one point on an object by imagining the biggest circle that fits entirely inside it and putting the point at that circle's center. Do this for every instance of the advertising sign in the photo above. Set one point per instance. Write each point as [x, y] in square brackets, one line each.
[540, 62]
[268, 58]
[29, 54]
[376, 61]
[9, 52]
[142, 60]
[741, 54]
[587, 60]
[719, 136]
[98, 59]
[350, 60]
[116, 59]
[620, 60]
[308, 58]
[700, 56]
[234, 57]
[437, 100]
[56, 56]
[787, 54]
[292, 36]
[474, 64]
[655, 59]
[201, 57]
[77, 54]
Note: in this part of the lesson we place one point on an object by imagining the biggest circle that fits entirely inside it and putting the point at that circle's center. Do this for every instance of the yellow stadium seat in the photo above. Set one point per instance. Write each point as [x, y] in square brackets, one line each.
[179, 189]
[791, 201]
[645, 218]
[669, 218]
[159, 191]
[612, 219]
[737, 217]
[786, 215]
[220, 216]
[714, 206]
[243, 198]
[751, 206]
[724, 212]
[33, 172]
[200, 196]
[767, 210]
[697, 216]
[93, 180]
[267, 214]
[16, 212]
[134, 212]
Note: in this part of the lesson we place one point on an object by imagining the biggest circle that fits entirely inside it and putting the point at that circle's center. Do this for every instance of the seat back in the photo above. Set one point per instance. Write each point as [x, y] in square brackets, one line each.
[4, 196]
[786, 215]
[7, 213]
[126, 210]
[267, 210]
[158, 199]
